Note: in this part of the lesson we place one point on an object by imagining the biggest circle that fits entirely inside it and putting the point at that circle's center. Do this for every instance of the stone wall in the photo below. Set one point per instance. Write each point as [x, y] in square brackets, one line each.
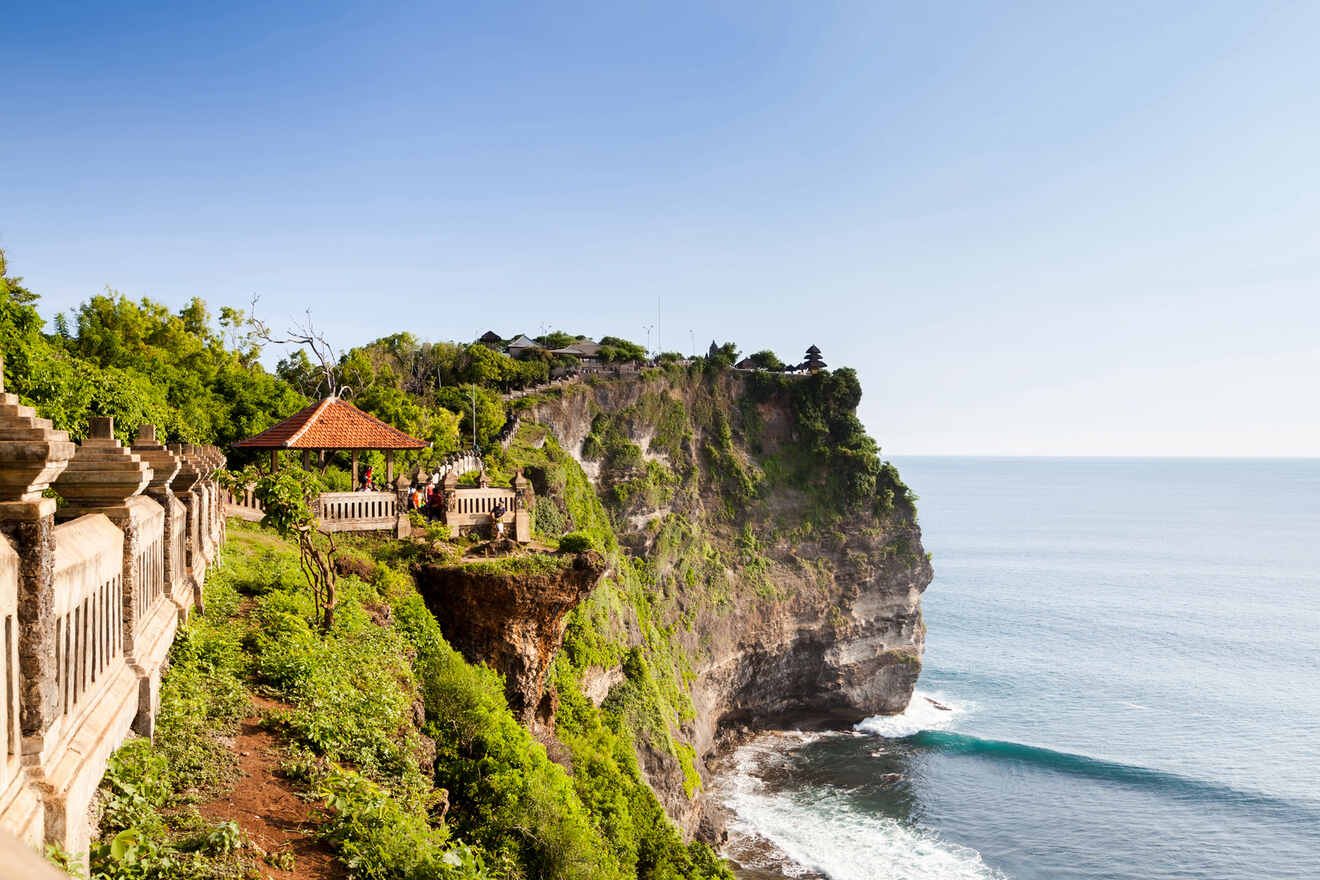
[92, 592]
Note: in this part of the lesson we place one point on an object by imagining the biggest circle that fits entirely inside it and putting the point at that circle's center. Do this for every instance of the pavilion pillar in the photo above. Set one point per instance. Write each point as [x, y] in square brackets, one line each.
[274, 460]
[355, 470]
[307, 459]
[389, 467]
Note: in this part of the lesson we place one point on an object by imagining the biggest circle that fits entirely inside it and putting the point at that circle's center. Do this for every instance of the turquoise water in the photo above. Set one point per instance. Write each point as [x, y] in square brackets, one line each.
[1130, 654]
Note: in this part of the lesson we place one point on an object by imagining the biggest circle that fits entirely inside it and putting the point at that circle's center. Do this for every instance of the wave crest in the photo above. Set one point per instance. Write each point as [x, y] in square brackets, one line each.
[924, 712]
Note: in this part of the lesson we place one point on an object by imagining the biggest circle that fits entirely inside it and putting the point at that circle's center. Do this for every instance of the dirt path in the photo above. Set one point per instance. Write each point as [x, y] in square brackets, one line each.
[268, 810]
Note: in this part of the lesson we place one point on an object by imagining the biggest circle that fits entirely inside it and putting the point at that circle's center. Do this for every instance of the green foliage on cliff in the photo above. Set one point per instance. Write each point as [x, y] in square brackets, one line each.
[833, 457]
[348, 716]
[625, 472]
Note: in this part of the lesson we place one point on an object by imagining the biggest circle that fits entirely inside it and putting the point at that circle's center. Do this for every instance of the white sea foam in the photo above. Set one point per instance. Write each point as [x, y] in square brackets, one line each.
[922, 713]
[824, 835]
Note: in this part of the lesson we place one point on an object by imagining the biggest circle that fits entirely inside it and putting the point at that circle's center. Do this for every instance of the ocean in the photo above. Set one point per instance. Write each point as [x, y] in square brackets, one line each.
[1125, 654]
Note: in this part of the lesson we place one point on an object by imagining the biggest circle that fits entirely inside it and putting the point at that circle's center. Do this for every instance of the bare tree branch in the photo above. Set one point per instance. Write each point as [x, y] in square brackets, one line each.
[305, 335]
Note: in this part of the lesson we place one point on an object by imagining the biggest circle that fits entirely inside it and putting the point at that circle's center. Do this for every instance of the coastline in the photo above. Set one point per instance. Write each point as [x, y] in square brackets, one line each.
[751, 855]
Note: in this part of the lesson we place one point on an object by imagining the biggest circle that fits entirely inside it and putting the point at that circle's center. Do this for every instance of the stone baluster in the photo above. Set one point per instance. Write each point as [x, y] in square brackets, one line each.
[165, 467]
[105, 477]
[201, 462]
[220, 521]
[186, 490]
[32, 454]
[209, 456]
[215, 506]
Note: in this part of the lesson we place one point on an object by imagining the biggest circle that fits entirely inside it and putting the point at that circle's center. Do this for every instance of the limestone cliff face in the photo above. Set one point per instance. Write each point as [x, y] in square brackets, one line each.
[510, 620]
[784, 622]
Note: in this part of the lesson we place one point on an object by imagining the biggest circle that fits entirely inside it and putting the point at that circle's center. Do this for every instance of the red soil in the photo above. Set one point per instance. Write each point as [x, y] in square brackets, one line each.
[269, 811]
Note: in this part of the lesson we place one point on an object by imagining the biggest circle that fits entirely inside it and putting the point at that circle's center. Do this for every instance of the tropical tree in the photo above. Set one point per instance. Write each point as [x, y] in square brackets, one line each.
[288, 497]
[766, 360]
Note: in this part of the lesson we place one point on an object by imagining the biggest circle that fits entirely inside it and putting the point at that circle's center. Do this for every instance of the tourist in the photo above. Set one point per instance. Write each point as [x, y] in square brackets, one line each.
[497, 515]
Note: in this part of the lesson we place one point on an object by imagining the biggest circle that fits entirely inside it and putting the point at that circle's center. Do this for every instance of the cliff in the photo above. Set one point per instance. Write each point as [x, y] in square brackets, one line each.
[511, 615]
[769, 566]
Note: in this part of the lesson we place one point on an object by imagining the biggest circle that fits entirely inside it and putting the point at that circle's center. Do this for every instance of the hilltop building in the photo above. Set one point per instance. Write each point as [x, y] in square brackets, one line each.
[813, 363]
[587, 351]
[521, 344]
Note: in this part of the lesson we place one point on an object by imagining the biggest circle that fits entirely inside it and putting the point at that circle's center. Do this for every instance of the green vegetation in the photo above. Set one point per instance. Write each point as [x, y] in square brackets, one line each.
[198, 382]
[575, 542]
[526, 564]
[138, 362]
[462, 792]
[288, 498]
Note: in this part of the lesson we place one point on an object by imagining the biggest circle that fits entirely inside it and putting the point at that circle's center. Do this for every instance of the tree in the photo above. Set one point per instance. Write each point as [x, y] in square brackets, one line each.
[618, 350]
[725, 355]
[557, 339]
[308, 337]
[288, 496]
[490, 412]
[766, 360]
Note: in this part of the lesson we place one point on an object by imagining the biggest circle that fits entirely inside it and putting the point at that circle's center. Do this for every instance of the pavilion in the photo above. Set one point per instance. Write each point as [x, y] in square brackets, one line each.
[587, 351]
[329, 425]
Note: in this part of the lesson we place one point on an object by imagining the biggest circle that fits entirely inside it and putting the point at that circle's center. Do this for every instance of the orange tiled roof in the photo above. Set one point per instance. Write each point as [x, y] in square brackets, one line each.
[331, 424]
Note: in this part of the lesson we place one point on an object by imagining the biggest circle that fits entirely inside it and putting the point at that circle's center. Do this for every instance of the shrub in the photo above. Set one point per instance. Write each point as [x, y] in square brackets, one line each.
[576, 542]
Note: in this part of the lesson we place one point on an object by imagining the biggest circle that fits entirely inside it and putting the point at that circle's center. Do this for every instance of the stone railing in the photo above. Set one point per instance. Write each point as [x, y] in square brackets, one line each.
[245, 506]
[357, 511]
[360, 511]
[91, 595]
[470, 507]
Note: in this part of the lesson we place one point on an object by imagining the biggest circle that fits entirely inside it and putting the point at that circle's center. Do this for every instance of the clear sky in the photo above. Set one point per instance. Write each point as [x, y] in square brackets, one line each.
[1033, 229]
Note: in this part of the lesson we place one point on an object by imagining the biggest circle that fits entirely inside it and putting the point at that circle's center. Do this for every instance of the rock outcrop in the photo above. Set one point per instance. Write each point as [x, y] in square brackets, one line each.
[512, 621]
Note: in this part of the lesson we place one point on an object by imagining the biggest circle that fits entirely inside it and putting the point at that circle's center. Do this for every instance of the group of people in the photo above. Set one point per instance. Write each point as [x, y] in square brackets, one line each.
[428, 498]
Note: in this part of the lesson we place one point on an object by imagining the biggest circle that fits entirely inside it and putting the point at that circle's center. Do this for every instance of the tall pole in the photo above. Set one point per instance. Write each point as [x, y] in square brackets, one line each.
[658, 347]
[474, 417]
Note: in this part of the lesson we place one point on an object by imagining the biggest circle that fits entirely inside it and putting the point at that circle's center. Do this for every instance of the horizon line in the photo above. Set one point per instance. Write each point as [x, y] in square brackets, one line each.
[1093, 456]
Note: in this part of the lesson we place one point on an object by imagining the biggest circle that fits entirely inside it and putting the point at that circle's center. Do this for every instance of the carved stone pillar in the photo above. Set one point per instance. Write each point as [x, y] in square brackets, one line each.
[32, 454]
[523, 498]
[164, 468]
[201, 463]
[105, 477]
[186, 490]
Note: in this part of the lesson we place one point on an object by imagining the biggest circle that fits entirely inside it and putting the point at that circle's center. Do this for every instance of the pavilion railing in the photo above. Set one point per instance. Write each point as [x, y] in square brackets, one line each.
[357, 511]
[244, 506]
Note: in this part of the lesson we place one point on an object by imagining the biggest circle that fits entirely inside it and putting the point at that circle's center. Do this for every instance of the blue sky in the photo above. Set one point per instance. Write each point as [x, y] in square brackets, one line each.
[1033, 229]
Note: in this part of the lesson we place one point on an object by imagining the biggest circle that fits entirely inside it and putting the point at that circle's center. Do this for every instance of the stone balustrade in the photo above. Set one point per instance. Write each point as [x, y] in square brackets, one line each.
[91, 594]
[360, 511]
[244, 506]
[469, 507]
[357, 511]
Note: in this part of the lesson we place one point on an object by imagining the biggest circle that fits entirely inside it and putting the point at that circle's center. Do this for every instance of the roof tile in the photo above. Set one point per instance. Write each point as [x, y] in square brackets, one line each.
[331, 424]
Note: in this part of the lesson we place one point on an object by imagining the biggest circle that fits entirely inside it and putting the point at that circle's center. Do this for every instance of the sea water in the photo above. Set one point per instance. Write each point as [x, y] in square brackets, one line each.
[1125, 655]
